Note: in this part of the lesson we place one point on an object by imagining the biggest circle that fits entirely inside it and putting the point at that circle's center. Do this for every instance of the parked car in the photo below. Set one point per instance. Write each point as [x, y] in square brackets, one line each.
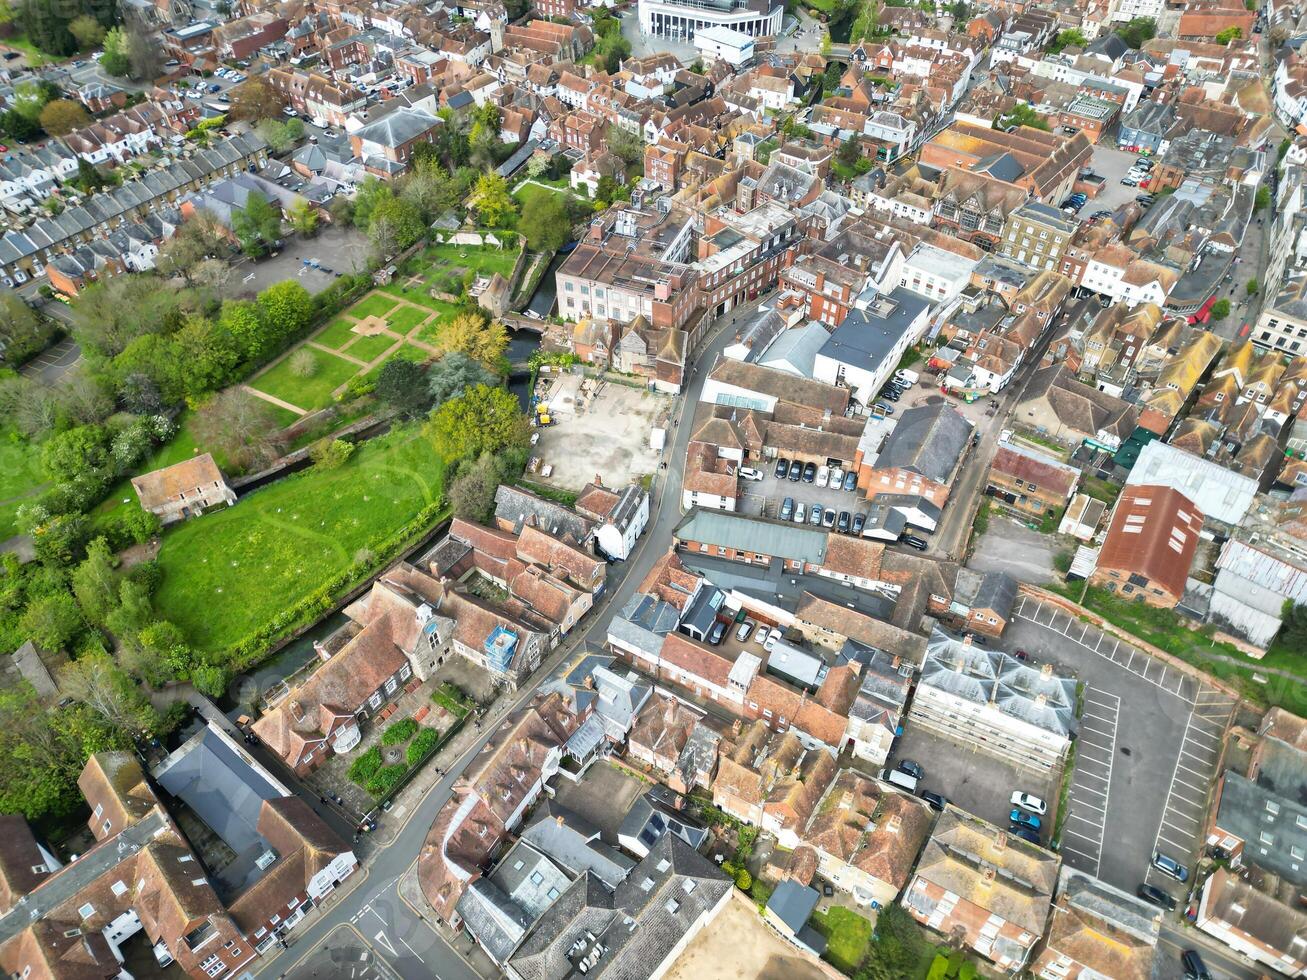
[745, 629]
[913, 769]
[772, 637]
[912, 541]
[717, 632]
[1025, 833]
[850, 480]
[787, 508]
[936, 801]
[844, 522]
[836, 478]
[890, 395]
[859, 521]
[814, 517]
[1170, 866]
[796, 471]
[1023, 819]
[800, 513]
[745, 472]
[782, 468]
[823, 476]
[828, 518]
[1155, 896]
[1194, 967]
[883, 408]
[1027, 802]
[809, 472]
[1130, 181]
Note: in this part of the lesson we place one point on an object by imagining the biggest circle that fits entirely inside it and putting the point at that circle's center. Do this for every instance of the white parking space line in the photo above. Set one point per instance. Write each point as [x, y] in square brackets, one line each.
[1088, 799]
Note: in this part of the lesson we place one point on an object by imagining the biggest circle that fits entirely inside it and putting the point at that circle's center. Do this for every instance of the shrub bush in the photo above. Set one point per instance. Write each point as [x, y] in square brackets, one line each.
[418, 749]
[938, 968]
[399, 732]
[366, 766]
[386, 779]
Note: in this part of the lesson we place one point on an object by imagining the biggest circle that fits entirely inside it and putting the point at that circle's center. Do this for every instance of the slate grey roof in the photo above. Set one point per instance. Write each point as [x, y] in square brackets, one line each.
[519, 508]
[530, 879]
[495, 920]
[573, 844]
[985, 590]
[793, 904]
[780, 539]
[1246, 811]
[648, 819]
[866, 337]
[635, 927]
[397, 128]
[227, 793]
[928, 440]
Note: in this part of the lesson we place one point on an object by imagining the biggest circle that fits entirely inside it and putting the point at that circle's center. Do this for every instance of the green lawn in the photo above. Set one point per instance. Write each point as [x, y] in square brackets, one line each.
[484, 260]
[374, 304]
[229, 572]
[337, 334]
[367, 348]
[525, 192]
[408, 352]
[308, 393]
[405, 318]
[1165, 629]
[20, 479]
[847, 936]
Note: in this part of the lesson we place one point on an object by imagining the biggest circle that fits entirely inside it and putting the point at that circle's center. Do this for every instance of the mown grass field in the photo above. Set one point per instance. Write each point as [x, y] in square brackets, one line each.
[230, 571]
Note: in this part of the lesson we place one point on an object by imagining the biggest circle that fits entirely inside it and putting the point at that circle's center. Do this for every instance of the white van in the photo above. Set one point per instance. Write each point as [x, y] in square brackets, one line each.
[910, 377]
[900, 779]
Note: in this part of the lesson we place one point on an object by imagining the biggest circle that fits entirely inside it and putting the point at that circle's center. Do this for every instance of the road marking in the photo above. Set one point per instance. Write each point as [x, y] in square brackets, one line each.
[381, 938]
[411, 949]
[1072, 833]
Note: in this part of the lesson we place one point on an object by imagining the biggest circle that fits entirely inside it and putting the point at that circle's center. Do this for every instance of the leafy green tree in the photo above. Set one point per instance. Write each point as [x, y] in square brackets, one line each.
[401, 384]
[370, 193]
[1262, 199]
[135, 610]
[60, 117]
[73, 452]
[1072, 38]
[1252, 287]
[395, 221]
[453, 374]
[256, 226]
[52, 621]
[114, 60]
[1137, 31]
[18, 126]
[241, 319]
[896, 948]
[481, 420]
[472, 491]
[1228, 35]
[331, 454]
[86, 31]
[1220, 309]
[303, 217]
[95, 582]
[544, 222]
[492, 202]
[207, 355]
[625, 144]
[1293, 632]
[473, 333]
[99, 683]
[275, 133]
[88, 178]
[286, 310]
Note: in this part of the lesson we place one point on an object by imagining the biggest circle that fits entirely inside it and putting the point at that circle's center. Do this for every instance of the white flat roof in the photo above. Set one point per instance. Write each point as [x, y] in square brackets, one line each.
[724, 35]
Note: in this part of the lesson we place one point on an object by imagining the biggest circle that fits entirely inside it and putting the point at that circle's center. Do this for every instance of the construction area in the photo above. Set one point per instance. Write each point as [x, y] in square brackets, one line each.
[588, 427]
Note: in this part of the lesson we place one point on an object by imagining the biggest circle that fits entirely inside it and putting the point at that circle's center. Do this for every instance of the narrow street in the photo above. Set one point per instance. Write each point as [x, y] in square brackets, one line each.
[374, 911]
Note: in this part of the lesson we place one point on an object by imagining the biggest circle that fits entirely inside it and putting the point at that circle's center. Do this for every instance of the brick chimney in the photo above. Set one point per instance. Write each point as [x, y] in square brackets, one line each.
[1000, 841]
[1046, 671]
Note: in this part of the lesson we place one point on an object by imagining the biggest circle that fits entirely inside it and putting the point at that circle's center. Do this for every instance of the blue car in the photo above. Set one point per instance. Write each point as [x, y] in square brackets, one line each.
[1023, 819]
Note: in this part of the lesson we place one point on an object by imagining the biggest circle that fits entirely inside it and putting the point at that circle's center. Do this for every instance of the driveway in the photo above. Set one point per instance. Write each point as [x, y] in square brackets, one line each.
[1010, 546]
[1111, 164]
[1146, 754]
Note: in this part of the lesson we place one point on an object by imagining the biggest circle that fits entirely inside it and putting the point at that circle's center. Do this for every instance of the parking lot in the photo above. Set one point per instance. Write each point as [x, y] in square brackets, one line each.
[54, 362]
[765, 496]
[1146, 752]
[343, 250]
[1111, 164]
[978, 783]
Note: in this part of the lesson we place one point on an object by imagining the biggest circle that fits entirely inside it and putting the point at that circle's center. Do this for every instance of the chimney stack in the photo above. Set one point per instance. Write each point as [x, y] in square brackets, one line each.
[1046, 671]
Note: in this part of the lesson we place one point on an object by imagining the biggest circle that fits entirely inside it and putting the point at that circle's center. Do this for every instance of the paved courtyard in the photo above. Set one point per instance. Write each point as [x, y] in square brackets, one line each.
[1009, 546]
[602, 429]
[739, 945]
[603, 796]
[341, 249]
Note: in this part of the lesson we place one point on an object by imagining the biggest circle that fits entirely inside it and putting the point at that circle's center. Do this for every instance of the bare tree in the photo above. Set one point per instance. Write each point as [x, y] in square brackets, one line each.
[240, 426]
[98, 682]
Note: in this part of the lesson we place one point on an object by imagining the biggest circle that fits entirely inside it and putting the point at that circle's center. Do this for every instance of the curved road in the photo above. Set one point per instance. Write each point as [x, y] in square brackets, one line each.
[373, 910]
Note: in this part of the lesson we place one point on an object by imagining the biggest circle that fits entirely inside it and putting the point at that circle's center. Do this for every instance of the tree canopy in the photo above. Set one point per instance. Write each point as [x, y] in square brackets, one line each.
[481, 420]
